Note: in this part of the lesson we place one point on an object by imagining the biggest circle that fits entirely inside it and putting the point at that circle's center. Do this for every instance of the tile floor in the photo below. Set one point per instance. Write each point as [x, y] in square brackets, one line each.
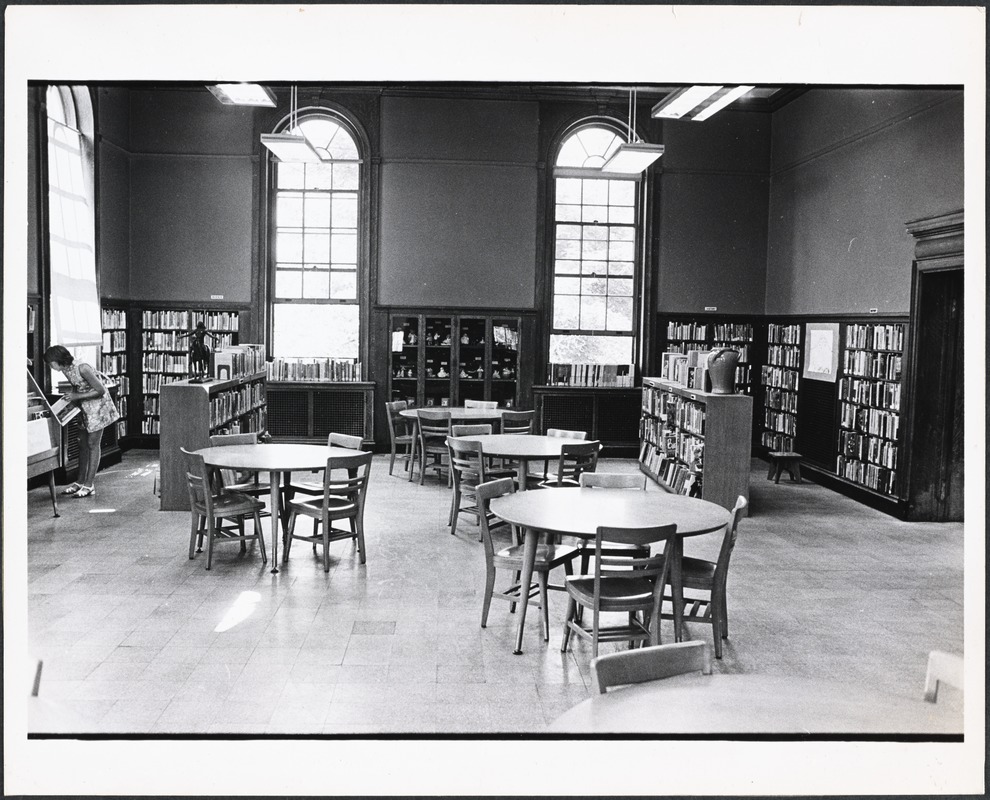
[136, 638]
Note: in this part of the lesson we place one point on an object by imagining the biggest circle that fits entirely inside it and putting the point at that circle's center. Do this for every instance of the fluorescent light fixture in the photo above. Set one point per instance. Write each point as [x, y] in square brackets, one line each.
[721, 102]
[243, 94]
[632, 157]
[697, 102]
[289, 147]
[679, 103]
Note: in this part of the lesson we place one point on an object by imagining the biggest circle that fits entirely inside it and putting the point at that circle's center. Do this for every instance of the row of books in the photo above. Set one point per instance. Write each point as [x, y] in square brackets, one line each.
[875, 477]
[253, 423]
[868, 448]
[151, 425]
[114, 363]
[784, 356]
[781, 378]
[114, 341]
[885, 366]
[871, 393]
[779, 421]
[679, 477]
[733, 332]
[870, 420]
[235, 403]
[777, 442]
[186, 320]
[875, 337]
[238, 361]
[151, 383]
[686, 414]
[114, 318]
[687, 330]
[780, 400]
[152, 408]
[613, 375]
[166, 362]
[742, 349]
[317, 369]
[783, 334]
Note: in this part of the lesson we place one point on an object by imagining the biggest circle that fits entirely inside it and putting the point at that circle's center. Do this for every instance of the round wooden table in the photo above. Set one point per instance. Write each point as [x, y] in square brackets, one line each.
[522, 449]
[459, 413]
[276, 460]
[580, 512]
[733, 704]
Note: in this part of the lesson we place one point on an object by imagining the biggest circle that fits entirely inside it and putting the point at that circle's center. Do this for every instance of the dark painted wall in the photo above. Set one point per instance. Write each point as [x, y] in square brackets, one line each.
[113, 193]
[850, 168]
[712, 219]
[459, 216]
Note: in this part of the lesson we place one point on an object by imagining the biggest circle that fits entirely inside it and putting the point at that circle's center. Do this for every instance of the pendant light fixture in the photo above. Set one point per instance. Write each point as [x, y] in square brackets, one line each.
[291, 146]
[631, 158]
[243, 94]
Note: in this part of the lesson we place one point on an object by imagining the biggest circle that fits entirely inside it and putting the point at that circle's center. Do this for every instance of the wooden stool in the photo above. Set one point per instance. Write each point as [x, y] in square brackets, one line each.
[780, 461]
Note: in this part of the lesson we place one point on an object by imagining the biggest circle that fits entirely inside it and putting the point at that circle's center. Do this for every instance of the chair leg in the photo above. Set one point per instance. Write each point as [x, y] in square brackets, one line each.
[290, 531]
[717, 627]
[210, 529]
[241, 533]
[516, 577]
[455, 509]
[391, 460]
[194, 529]
[571, 612]
[316, 530]
[202, 534]
[773, 466]
[486, 604]
[358, 525]
[412, 460]
[326, 545]
[261, 537]
[541, 578]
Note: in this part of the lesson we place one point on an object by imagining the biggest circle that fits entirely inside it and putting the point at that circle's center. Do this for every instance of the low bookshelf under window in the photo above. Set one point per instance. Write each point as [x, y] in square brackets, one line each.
[694, 442]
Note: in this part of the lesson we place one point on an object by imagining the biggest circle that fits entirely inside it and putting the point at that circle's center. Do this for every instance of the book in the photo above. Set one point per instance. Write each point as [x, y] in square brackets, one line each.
[64, 411]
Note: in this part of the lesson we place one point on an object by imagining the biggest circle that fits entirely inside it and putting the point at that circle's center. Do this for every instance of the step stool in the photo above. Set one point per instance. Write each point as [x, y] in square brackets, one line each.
[780, 461]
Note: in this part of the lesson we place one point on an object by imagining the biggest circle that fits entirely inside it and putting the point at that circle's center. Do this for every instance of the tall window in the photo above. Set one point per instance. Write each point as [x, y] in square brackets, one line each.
[315, 287]
[595, 273]
[73, 297]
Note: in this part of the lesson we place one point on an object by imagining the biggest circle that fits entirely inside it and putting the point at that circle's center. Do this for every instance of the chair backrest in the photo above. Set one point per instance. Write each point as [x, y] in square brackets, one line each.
[198, 481]
[433, 423]
[230, 477]
[354, 486]
[471, 430]
[576, 459]
[518, 422]
[345, 440]
[562, 434]
[612, 480]
[942, 668]
[467, 462]
[486, 492]
[485, 404]
[650, 664]
[398, 425]
[729, 541]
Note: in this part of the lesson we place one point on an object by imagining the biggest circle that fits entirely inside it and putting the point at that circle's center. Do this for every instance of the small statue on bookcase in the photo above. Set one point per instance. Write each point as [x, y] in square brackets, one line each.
[199, 352]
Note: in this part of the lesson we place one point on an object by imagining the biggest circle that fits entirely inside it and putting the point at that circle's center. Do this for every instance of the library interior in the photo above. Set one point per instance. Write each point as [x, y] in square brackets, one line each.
[570, 346]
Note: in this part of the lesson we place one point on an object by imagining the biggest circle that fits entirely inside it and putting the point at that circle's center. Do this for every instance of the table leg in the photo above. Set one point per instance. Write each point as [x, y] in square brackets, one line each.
[51, 489]
[676, 585]
[525, 579]
[522, 470]
[276, 516]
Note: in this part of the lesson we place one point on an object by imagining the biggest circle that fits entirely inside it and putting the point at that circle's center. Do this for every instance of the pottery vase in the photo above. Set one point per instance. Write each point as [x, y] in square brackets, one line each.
[722, 370]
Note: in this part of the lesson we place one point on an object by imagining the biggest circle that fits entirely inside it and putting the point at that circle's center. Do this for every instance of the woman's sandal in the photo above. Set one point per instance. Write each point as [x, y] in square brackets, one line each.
[85, 491]
[75, 487]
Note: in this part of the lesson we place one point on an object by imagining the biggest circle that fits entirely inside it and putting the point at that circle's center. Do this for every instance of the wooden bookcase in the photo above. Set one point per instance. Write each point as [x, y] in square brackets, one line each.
[192, 412]
[609, 415]
[114, 360]
[679, 334]
[442, 359]
[780, 378]
[687, 432]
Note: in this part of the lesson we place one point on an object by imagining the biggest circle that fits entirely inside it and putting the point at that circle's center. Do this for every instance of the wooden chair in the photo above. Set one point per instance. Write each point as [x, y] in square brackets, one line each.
[575, 459]
[650, 664]
[487, 405]
[467, 465]
[518, 422]
[548, 557]
[484, 429]
[342, 499]
[705, 576]
[471, 430]
[401, 433]
[210, 506]
[432, 431]
[248, 483]
[557, 433]
[610, 480]
[313, 487]
[624, 584]
[942, 668]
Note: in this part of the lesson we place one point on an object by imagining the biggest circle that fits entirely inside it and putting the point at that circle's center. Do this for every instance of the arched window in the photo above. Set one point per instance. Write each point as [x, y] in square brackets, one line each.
[318, 264]
[594, 315]
[71, 258]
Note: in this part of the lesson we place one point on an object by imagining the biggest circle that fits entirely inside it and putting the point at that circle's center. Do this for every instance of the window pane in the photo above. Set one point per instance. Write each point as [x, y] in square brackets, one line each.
[622, 251]
[621, 215]
[578, 349]
[289, 175]
[318, 247]
[620, 313]
[318, 211]
[345, 176]
[569, 213]
[595, 193]
[566, 286]
[316, 284]
[319, 176]
[568, 231]
[567, 267]
[569, 249]
[343, 285]
[288, 210]
[595, 249]
[594, 268]
[593, 313]
[620, 287]
[288, 247]
[622, 193]
[565, 312]
[594, 286]
[345, 211]
[344, 248]
[594, 213]
[288, 283]
[569, 191]
[315, 331]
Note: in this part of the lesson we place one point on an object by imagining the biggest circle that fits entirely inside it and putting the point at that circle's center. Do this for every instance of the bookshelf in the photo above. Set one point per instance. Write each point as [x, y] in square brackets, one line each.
[165, 355]
[438, 360]
[869, 439]
[684, 334]
[192, 412]
[780, 377]
[113, 360]
[694, 442]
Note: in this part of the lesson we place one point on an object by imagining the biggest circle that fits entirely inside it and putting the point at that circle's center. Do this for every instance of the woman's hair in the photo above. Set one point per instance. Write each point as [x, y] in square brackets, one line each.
[56, 354]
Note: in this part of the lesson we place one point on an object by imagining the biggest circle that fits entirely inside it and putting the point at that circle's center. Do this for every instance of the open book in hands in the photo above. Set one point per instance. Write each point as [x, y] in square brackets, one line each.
[64, 410]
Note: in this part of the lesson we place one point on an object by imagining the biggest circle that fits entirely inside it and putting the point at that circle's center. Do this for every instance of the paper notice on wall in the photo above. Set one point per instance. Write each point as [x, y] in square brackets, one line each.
[821, 352]
[397, 341]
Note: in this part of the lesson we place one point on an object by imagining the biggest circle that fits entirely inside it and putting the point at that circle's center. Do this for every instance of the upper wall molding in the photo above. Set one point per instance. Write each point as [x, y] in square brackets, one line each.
[939, 237]
[866, 133]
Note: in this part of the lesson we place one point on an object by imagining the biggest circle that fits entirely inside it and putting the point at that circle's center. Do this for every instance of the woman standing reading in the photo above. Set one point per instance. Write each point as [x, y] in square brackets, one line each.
[98, 411]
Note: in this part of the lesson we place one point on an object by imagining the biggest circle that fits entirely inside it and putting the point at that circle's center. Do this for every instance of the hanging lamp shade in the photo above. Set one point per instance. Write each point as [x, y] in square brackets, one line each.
[631, 158]
[291, 147]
